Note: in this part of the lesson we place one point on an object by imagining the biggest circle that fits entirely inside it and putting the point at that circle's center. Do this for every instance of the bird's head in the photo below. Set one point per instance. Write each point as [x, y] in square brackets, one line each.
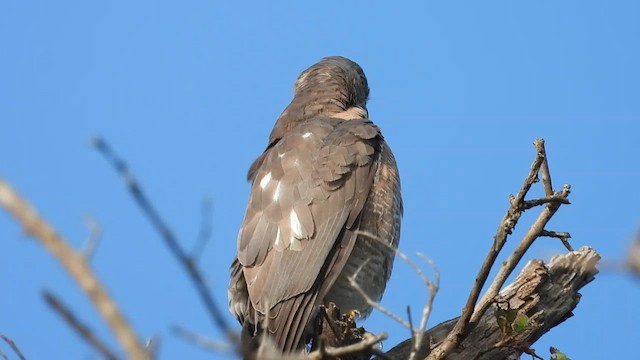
[334, 87]
[335, 77]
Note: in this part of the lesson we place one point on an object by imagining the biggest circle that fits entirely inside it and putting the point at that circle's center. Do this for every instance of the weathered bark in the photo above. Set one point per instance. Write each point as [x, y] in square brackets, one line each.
[546, 294]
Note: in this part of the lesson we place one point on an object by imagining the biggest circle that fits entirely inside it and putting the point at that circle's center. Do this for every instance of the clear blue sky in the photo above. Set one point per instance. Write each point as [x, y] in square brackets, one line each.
[187, 92]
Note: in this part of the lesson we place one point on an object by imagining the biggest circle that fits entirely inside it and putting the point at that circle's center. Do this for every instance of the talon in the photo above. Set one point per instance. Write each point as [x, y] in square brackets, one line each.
[352, 315]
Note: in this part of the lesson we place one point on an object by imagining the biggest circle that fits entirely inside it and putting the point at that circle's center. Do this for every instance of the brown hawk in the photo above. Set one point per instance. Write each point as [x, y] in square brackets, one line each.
[325, 198]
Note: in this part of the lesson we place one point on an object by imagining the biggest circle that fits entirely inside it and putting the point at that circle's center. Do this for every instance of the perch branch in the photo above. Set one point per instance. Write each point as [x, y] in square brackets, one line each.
[76, 266]
[330, 352]
[546, 294]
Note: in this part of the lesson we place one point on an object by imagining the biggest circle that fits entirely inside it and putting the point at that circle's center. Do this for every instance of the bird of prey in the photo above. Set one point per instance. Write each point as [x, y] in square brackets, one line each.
[324, 206]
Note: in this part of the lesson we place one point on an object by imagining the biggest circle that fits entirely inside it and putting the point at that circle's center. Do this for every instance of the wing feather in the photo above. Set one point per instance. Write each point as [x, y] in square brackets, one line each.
[308, 190]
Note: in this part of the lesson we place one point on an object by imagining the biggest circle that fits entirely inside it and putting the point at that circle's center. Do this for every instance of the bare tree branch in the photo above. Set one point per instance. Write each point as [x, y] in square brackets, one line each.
[433, 286]
[93, 238]
[563, 236]
[546, 294]
[204, 234]
[555, 198]
[76, 266]
[83, 330]
[374, 304]
[534, 232]
[169, 238]
[504, 229]
[472, 311]
[13, 346]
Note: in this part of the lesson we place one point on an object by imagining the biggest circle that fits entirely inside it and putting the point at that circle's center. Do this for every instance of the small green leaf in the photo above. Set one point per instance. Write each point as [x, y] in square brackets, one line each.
[520, 323]
[558, 355]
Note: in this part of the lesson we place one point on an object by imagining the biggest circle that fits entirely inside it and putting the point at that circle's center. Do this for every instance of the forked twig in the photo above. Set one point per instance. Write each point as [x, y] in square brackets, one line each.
[169, 238]
[563, 236]
[472, 312]
[205, 228]
[433, 286]
[536, 230]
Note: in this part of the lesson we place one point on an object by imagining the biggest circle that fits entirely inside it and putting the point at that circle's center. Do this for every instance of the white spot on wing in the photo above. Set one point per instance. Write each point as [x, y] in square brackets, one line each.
[296, 226]
[278, 240]
[306, 135]
[265, 180]
[276, 194]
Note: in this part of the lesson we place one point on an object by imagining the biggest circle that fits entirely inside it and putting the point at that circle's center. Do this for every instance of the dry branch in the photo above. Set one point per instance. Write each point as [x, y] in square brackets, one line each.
[474, 310]
[505, 228]
[13, 347]
[76, 266]
[367, 343]
[187, 261]
[546, 294]
[83, 330]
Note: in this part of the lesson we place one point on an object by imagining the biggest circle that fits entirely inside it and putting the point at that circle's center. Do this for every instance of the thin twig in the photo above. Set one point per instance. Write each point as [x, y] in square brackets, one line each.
[13, 346]
[169, 238]
[417, 334]
[204, 234]
[544, 169]
[433, 286]
[83, 330]
[433, 289]
[414, 334]
[201, 340]
[93, 238]
[563, 236]
[374, 304]
[555, 198]
[399, 253]
[76, 266]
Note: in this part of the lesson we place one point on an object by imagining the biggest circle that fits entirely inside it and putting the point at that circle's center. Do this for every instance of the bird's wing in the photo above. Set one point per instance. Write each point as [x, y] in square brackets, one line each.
[307, 193]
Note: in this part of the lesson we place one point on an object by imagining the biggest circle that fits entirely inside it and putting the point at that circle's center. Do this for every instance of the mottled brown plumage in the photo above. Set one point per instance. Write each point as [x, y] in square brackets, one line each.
[325, 194]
